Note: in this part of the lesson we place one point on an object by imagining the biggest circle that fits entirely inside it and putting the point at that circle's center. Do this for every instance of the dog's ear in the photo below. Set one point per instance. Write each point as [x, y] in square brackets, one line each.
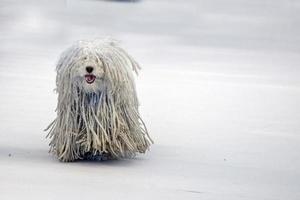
[64, 57]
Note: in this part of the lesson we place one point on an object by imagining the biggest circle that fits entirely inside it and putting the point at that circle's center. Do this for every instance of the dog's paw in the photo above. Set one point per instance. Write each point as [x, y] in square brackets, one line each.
[97, 157]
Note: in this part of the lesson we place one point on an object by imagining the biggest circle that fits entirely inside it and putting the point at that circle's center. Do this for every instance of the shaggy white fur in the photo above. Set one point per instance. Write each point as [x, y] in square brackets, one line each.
[97, 110]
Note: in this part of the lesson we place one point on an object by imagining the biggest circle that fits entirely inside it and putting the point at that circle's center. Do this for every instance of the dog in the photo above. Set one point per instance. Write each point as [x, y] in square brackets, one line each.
[97, 109]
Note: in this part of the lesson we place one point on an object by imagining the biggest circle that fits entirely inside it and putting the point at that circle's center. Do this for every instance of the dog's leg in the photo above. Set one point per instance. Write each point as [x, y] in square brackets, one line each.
[97, 157]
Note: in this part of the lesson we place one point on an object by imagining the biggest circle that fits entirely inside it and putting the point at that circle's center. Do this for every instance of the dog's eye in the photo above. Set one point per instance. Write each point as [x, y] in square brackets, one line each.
[84, 58]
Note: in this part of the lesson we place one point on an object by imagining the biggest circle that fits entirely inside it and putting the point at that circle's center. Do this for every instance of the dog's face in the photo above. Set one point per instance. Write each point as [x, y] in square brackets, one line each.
[95, 67]
[89, 73]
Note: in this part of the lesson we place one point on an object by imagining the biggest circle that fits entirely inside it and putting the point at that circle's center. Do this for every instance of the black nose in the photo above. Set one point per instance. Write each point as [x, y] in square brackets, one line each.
[89, 69]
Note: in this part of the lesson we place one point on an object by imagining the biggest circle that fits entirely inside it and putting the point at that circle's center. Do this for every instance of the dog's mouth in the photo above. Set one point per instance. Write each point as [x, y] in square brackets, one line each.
[90, 78]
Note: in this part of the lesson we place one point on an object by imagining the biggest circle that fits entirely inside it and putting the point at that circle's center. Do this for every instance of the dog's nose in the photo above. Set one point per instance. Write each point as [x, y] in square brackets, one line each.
[89, 69]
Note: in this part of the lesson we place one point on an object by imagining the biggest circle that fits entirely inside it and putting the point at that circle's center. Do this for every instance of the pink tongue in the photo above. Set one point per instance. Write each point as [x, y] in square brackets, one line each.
[90, 78]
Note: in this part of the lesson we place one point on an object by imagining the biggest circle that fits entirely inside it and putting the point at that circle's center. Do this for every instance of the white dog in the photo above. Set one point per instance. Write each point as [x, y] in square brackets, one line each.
[97, 110]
